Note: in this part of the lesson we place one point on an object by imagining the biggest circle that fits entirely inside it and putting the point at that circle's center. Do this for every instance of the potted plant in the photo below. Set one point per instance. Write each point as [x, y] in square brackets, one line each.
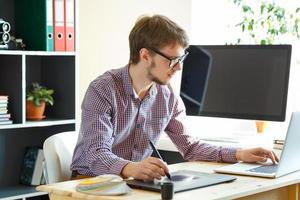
[37, 97]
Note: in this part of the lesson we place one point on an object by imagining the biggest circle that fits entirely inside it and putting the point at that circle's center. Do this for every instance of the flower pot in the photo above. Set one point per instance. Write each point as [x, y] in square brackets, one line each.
[35, 112]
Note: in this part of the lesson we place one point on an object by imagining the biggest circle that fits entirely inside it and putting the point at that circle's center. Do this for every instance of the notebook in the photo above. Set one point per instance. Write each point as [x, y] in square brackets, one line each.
[289, 160]
[184, 180]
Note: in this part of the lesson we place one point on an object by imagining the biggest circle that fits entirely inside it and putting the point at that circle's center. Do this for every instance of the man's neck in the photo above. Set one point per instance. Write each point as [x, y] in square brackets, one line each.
[141, 84]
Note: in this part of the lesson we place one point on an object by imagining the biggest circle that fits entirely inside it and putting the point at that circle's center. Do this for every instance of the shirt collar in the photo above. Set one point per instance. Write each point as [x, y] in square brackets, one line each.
[128, 87]
[153, 90]
[127, 84]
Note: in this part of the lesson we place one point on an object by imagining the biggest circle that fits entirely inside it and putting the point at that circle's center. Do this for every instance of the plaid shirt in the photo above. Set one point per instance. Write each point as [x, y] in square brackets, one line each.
[117, 126]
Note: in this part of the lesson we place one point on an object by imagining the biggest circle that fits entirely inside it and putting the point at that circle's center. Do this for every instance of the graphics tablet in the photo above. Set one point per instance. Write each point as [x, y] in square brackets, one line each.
[184, 180]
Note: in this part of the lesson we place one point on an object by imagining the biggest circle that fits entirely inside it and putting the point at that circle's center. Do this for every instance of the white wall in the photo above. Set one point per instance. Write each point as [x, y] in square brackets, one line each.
[105, 26]
[210, 21]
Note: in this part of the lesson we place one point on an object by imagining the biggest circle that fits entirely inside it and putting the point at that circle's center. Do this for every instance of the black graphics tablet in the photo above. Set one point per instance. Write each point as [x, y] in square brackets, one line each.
[184, 180]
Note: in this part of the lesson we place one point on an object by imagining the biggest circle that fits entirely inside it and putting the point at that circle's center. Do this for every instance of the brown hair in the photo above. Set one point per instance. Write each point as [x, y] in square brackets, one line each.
[154, 32]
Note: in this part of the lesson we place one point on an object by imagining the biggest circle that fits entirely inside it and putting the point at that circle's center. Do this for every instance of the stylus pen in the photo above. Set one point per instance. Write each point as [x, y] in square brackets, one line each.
[159, 156]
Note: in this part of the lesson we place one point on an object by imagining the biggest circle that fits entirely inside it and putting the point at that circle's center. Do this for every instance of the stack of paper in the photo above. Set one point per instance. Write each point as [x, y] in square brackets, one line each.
[4, 116]
[108, 184]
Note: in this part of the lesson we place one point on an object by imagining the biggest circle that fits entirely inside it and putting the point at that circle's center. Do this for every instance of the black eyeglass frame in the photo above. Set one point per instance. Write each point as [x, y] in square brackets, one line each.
[174, 61]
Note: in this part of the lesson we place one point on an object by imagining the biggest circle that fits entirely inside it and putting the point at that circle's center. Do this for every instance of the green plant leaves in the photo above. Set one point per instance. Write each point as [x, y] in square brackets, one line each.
[38, 93]
[247, 9]
[264, 22]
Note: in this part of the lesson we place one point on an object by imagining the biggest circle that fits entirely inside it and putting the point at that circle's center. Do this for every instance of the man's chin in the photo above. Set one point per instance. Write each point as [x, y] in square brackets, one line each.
[160, 82]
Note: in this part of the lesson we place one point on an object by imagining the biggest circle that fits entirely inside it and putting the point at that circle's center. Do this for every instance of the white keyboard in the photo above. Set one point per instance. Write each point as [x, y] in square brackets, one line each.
[222, 139]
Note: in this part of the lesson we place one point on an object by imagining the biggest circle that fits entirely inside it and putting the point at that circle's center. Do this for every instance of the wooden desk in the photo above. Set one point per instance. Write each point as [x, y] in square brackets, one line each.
[285, 187]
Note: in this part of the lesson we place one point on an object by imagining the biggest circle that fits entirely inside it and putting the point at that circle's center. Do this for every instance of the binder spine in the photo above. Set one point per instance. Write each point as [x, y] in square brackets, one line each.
[69, 25]
[49, 24]
[32, 26]
[59, 25]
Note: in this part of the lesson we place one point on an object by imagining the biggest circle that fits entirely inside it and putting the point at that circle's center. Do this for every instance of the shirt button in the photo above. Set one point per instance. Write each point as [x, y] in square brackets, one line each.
[138, 125]
[135, 146]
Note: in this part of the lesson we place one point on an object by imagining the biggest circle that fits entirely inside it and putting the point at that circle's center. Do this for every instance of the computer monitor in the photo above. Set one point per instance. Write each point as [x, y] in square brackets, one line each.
[236, 81]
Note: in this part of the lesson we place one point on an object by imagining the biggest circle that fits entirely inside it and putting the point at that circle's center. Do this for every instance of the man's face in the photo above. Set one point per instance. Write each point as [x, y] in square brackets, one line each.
[165, 63]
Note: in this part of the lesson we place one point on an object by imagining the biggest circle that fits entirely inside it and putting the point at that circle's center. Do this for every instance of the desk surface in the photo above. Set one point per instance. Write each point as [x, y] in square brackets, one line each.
[242, 187]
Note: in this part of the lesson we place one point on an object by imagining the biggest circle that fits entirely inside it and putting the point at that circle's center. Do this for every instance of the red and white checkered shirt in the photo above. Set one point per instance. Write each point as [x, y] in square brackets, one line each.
[117, 126]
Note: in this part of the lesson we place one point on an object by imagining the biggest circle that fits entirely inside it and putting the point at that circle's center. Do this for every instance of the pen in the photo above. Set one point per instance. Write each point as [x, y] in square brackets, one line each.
[157, 154]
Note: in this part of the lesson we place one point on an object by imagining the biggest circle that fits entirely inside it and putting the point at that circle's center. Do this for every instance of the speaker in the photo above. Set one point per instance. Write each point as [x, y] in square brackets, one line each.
[4, 26]
[4, 38]
[4, 34]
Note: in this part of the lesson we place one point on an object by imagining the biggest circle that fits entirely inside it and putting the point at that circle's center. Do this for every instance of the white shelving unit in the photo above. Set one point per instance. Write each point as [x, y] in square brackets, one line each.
[18, 69]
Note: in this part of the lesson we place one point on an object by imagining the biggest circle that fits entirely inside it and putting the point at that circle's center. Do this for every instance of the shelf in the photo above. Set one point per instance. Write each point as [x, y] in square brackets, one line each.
[37, 53]
[45, 122]
[19, 192]
[48, 122]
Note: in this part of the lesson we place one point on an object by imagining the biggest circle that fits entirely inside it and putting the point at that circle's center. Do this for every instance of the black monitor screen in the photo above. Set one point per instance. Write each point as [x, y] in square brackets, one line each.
[236, 81]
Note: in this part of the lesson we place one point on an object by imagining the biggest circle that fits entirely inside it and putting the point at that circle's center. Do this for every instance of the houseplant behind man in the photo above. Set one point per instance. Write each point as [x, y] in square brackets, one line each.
[37, 97]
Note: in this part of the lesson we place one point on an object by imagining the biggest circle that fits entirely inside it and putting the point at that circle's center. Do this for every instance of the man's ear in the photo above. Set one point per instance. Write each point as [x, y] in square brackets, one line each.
[145, 55]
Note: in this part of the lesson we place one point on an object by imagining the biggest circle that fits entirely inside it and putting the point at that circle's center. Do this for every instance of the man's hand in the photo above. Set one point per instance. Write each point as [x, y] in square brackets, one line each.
[256, 155]
[146, 170]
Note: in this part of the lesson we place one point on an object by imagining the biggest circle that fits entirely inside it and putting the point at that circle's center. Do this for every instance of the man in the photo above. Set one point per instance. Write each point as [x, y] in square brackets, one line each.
[125, 108]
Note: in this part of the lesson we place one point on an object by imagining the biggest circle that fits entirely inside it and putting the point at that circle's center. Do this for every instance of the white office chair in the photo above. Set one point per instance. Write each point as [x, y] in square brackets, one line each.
[58, 151]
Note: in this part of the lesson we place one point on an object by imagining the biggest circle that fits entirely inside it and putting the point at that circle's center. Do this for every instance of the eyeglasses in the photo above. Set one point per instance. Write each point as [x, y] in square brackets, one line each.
[173, 61]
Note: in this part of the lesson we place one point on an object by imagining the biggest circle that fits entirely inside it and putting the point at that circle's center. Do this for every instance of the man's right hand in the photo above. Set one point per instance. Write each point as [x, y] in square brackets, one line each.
[146, 170]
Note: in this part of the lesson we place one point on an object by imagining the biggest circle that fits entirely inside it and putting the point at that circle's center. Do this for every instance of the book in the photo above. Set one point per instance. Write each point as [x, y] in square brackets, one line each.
[5, 115]
[3, 97]
[3, 111]
[5, 122]
[3, 105]
[2, 119]
[3, 101]
[32, 170]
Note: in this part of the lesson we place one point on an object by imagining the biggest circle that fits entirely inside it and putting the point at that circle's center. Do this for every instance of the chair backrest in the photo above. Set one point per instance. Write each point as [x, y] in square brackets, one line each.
[58, 151]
